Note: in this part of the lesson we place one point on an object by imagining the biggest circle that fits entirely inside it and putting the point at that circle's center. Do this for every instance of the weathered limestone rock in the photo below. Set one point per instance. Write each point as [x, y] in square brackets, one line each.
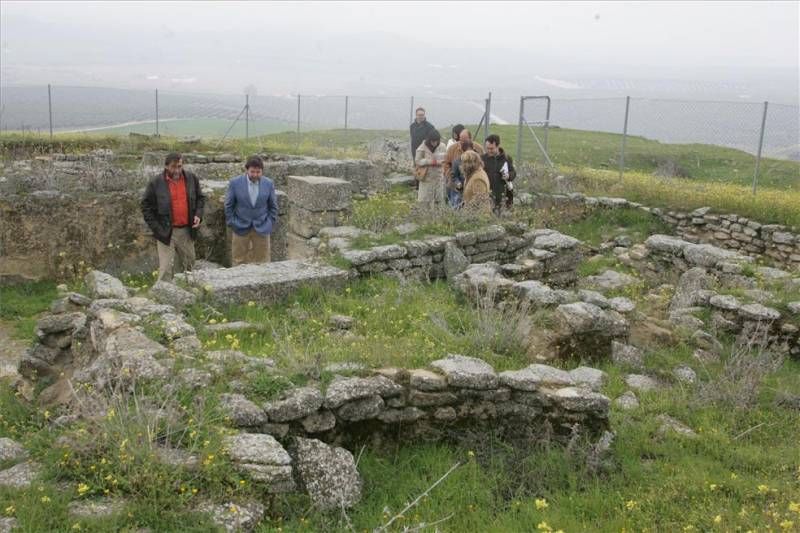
[669, 424]
[263, 458]
[426, 380]
[541, 295]
[578, 399]
[759, 313]
[361, 409]
[101, 508]
[11, 450]
[641, 382]
[685, 374]
[170, 294]
[266, 283]
[627, 401]
[693, 280]
[585, 330]
[102, 285]
[318, 422]
[328, 474]
[345, 390]
[241, 411]
[7, 524]
[620, 304]
[704, 340]
[318, 193]
[592, 378]
[483, 280]
[609, 280]
[20, 476]
[455, 262]
[535, 377]
[466, 372]
[297, 403]
[341, 322]
[129, 356]
[707, 255]
[235, 517]
[230, 327]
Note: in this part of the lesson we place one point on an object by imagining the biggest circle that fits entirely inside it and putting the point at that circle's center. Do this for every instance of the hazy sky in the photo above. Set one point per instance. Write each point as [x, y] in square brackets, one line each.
[189, 41]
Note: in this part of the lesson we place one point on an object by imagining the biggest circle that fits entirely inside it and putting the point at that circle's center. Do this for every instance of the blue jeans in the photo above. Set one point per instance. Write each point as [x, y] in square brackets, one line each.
[454, 196]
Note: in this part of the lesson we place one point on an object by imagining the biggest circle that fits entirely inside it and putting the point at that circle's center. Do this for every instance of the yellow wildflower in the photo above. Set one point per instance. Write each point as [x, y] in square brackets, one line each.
[718, 519]
[763, 489]
[10, 510]
[541, 503]
[630, 505]
[83, 488]
[787, 525]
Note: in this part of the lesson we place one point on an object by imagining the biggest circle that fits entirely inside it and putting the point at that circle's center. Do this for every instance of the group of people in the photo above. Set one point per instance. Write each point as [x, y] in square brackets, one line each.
[461, 172]
[172, 207]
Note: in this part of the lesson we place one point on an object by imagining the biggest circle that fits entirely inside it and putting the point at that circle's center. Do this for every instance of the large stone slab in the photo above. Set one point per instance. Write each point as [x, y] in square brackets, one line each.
[318, 193]
[327, 473]
[266, 283]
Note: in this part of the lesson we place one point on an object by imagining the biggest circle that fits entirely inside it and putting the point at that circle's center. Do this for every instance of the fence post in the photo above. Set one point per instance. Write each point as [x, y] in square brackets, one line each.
[519, 129]
[488, 113]
[346, 106]
[156, 112]
[547, 125]
[50, 109]
[246, 116]
[298, 115]
[624, 137]
[760, 145]
[412, 109]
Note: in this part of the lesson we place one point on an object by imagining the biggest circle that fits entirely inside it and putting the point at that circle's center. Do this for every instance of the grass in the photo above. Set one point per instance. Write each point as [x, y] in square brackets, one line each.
[768, 206]
[604, 225]
[19, 304]
[396, 324]
[568, 149]
[742, 472]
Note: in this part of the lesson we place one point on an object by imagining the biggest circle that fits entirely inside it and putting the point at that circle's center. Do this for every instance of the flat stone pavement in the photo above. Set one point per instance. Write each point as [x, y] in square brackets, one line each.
[266, 283]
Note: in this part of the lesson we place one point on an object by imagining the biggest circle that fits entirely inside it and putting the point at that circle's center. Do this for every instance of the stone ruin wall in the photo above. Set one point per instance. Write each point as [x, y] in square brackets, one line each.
[53, 232]
[779, 243]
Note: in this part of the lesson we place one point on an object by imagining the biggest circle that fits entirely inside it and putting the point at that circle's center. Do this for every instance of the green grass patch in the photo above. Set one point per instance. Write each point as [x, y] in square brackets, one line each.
[20, 304]
[605, 224]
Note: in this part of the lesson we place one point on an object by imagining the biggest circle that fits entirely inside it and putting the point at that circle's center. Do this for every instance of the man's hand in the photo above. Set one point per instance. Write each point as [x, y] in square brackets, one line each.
[196, 222]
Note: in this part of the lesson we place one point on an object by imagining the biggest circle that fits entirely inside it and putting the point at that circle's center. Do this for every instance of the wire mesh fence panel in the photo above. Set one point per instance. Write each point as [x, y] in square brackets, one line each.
[378, 112]
[702, 140]
[780, 155]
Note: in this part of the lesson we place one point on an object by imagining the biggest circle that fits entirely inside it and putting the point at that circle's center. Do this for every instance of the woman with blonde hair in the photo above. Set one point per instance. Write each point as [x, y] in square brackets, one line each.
[476, 187]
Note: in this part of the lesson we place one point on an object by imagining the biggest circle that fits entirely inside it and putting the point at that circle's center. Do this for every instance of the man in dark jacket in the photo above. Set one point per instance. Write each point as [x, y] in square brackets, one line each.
[172, 207]
[419, 130]
[500, 169]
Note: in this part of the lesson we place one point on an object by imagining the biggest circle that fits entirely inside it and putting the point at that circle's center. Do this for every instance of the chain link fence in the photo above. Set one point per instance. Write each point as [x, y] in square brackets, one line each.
[670, 138]
[737, 142]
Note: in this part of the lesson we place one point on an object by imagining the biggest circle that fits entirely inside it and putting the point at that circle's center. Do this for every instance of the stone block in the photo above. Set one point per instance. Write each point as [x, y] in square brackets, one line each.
[318, 193]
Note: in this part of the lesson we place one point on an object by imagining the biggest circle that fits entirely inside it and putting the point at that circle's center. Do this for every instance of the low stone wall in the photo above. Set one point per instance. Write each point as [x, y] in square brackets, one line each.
[452, 394]
[49, 234]
[730, 231]
[97, 343]
[524, 254]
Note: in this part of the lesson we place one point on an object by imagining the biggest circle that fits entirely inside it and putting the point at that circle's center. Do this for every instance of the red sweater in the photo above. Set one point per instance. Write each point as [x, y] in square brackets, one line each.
[180, 200]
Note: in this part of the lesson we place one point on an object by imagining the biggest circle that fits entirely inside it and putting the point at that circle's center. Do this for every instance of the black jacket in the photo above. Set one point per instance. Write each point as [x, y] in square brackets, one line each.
[419, 132]
[157, 205]
[492, 166]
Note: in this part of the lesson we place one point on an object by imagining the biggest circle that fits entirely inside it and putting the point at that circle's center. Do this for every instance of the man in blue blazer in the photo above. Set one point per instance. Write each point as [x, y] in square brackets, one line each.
[251, 210]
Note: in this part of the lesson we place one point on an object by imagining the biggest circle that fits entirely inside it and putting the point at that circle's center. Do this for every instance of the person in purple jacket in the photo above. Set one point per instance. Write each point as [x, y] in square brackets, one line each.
[251, 211]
